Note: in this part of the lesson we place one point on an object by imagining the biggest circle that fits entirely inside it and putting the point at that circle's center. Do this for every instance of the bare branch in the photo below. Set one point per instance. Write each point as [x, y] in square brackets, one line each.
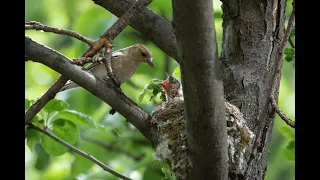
[111, 147]
[102, 89]
[41, 102]
[148, 23]
[291, 43]
[278, 63]
[38, 26]
[202, 89]
[84, 154]
[83, 60]
[126, 18]
[117, 27]
[280, 113]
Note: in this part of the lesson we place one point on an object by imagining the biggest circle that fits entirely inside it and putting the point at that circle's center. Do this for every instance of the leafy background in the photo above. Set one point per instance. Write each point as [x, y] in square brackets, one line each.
[90, 20]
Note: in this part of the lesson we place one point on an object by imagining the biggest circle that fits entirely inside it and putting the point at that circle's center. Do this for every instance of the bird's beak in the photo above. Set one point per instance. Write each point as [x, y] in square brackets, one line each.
[150, 63]
[164, 83]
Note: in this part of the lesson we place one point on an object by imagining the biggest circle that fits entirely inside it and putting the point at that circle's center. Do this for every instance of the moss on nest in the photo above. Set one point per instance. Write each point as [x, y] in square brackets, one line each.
[171, 146]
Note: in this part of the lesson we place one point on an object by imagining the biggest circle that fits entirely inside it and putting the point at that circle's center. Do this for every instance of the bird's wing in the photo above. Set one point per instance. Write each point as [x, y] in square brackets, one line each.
[114, 56]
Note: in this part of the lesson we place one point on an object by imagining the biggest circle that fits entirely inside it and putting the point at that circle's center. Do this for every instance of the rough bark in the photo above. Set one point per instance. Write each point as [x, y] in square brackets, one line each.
[252, 34]
[206, 128]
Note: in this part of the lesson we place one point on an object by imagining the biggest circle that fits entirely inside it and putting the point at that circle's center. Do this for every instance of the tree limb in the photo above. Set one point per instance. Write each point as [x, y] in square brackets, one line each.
[117, 27]
[148, 23]
[94, 48]
[202, 89]
[38, 26]
[102, 89]
[280, 113]
[111, 147]
[278, 69]
[84, 154]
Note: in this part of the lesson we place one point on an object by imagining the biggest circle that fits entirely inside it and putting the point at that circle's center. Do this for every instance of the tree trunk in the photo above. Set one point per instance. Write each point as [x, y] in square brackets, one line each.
[252, 34]
[206, 129]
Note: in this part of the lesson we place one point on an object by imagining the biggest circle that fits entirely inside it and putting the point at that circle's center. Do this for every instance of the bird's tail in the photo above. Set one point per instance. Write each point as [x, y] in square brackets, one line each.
[69, 85]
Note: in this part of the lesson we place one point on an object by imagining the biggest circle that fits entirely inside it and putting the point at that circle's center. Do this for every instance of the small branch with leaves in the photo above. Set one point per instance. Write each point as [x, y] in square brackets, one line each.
[72, 148]
[278, 63]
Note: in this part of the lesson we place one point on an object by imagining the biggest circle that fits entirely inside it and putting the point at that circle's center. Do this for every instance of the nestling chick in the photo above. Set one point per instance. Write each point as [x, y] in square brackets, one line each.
[172, 87]
[124, 63]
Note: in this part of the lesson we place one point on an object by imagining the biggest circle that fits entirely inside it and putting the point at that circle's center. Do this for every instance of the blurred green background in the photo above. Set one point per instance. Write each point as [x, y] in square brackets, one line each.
[90, 20]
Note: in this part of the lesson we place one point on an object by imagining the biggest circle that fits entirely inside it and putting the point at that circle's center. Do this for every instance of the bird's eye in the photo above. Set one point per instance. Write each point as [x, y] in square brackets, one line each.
[143, 54]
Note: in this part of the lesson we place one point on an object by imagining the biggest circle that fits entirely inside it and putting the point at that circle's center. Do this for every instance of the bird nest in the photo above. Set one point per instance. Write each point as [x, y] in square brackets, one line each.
[172, 143]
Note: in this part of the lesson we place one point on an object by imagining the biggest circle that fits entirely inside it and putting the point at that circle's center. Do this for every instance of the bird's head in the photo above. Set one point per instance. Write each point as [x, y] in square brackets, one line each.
[145, 53]
[170, 84]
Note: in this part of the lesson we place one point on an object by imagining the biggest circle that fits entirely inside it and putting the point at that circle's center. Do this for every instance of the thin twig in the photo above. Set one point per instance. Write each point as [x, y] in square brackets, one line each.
[84, 60]
[291, 43]
[95, 47]
[40, 103]
[84, 154]
[278, 63]
[111, 147]
[280, 113]
[38, 26]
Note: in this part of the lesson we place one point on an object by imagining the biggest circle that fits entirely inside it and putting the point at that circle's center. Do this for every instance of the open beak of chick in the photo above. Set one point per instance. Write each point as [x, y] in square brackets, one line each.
[165, 84]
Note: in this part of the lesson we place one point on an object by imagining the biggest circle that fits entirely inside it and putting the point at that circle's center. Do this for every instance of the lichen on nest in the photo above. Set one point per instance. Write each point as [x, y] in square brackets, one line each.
[171, 146]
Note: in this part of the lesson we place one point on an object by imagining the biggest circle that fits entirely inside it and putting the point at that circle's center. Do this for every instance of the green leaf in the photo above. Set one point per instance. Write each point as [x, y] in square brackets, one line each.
[76, 117]
[293, 31]
[152, 85]
[289, 51]
[27, 104]
[33, 137]
[287, 132]
[290, 54]
[149, 174]
[43, 158]
[289, 151]
[168, 173]
[55, 105]
[176, 73]
[66, 131]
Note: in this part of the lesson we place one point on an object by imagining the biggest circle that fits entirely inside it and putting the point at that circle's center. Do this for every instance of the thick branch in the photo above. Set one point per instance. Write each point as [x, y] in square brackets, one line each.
[202, 89]
[94, 48]
[102, 89]
[148, 23]
[84, 154]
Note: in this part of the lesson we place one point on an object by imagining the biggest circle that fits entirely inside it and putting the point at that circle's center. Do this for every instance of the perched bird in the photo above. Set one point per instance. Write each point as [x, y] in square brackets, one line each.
[172, 87]
[124, 63]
